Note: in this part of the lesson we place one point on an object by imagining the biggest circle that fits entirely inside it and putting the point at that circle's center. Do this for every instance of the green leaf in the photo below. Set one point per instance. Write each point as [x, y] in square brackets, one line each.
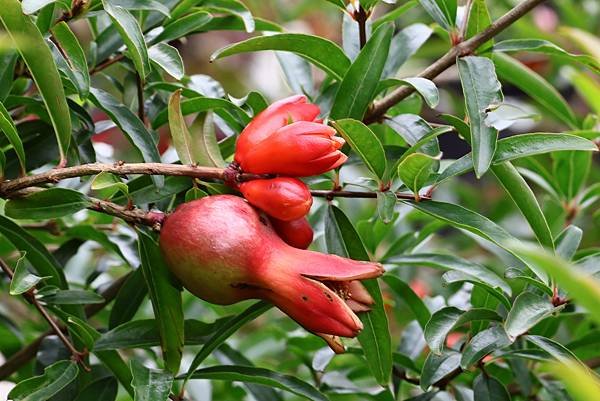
[144, 334]
[227, 355]
[150, 384]
[31, 6]
[465, 219]
[516, 187]
[535, 86]
[320, 52]
[87, 335]
[487, 388]
[586, 87]
[128, 299]
[168, 58]
[519, 146]
[42, 261]
[445, 320]
[131, 126]
[554, 349]
[394, 13]
[205, 148]
[7, 125]
[568, 241]
[571, 170]
[544, 47]
[453, 263]
[266, 377]
[38, 57]
[100, 389]
[165, 295]
[386, 203]
[179, 131]
[225, 331]
[404, 292]
[481, 89]
[233, 7]
[404, 44]
[581, 286]
[415, 170]
[146, 5]
[71, 297]
[455, 277]
[44, 387]
[483, 343]
[103, 389]
[201, 104]
[412, 128]
[426, 88]
[22, 280]
[342, 239]
[528, 310]
[108, 185]
[479, 19]
[364, 142]
[436, 367]
[580, 383]
[442, 11]
[47, 204]
[194, 194]
[359, 85]
[74, 55]
[181, 27]
[132, 35]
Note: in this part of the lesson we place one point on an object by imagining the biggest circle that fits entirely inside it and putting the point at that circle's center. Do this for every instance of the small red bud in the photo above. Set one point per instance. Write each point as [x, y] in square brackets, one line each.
[297, 233]
[284, 198]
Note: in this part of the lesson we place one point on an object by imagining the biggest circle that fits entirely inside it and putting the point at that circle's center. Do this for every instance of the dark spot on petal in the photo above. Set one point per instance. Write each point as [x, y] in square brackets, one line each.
[304, 298]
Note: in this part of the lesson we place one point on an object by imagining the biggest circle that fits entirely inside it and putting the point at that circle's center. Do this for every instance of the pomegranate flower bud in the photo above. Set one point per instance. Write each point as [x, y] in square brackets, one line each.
[284, 198]
[297, 233]
[286, 138]
[224, 252]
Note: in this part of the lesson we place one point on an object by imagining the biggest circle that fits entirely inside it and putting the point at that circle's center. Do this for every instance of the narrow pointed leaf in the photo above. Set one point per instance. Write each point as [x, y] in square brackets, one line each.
[38, 57]
[166, 300]
[320, 52]
[364, 142]
[150, 384]
[266, 377]
[359, 84]
[481, 89]
[132, 35]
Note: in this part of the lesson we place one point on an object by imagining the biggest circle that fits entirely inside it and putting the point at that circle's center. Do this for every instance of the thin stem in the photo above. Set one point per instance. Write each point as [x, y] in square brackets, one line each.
[106, 63]
[380, 107]
[30, 297]
[23, 356]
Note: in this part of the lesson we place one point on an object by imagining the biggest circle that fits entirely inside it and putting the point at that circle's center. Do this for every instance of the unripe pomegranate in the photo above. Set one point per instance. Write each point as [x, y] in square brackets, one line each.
[297, 233]
[284, 198]
[223, 251]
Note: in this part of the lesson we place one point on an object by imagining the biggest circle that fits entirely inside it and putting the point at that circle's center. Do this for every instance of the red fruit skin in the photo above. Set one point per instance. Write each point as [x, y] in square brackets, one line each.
[287, 139]
[284, 198]
[297, 233]
[224, 252]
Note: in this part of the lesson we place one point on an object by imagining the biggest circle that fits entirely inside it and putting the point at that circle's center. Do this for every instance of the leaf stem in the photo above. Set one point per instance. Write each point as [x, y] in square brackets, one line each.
[77, 356]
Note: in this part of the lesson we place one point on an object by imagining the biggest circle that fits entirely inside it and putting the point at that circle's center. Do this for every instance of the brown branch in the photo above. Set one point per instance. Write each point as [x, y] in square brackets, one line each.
[106, 63]
[380, 107]
[24, 355]
[57, 174]
[77, 356]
